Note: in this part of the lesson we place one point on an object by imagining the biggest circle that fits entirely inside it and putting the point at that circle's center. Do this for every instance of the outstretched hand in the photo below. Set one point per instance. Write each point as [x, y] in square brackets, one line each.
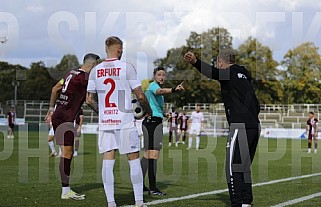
[190, 57]
[180, 87]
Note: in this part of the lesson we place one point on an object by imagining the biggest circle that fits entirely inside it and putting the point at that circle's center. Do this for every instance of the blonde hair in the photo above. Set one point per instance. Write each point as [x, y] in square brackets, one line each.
[113, 40]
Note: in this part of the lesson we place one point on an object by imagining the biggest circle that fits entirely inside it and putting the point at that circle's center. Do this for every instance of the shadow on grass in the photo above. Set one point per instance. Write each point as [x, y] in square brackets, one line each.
[88, 187]
[225, 198]
[123, 195]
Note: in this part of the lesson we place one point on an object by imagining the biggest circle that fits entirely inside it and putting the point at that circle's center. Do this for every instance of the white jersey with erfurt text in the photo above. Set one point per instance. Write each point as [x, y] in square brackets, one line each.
[197, 119]
[113, 80]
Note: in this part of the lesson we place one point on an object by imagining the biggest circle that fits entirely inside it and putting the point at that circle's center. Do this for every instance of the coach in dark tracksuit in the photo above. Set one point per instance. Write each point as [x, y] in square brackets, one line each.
[242, 109]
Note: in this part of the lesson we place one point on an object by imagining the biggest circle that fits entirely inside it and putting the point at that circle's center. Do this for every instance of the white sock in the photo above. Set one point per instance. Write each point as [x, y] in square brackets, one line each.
[108, 179]
[197, 142]
[60, 153]
[136, 176]
[65, 190]
[112, 204]
[190, 141]
[52, 146]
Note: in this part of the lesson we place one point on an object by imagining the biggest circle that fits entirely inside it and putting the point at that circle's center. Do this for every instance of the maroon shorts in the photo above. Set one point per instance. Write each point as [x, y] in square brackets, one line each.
[64, 132]
[183, 128]
[310, 136]
[11, 125]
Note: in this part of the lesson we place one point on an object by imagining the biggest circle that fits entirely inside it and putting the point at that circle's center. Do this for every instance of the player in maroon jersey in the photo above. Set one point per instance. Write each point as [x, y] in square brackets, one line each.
[172, 125]
[312, 132]
[11, 120]
[78, 124]
[183, 124]
[71, 93]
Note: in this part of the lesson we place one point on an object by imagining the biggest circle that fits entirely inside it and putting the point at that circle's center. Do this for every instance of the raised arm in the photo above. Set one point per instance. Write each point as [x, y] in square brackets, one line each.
[203, 67]
[142, 100]
[164, 91]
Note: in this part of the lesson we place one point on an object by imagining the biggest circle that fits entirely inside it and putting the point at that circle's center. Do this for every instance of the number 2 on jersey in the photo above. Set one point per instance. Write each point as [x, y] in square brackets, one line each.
[112, 89]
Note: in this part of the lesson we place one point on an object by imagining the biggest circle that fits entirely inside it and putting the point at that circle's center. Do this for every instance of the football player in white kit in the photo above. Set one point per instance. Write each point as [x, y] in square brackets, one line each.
[51, 138]
[114, 81]
[196, 120]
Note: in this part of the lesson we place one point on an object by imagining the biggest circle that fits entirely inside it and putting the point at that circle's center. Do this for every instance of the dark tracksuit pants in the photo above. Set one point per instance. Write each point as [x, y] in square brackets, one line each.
[240, 151]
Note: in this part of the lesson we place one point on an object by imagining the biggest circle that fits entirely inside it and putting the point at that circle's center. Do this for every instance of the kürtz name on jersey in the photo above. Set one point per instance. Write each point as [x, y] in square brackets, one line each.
[108, 72]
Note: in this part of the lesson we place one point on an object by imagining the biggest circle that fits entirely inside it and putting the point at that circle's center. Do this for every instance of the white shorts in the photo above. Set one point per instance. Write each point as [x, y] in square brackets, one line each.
[195, 131]
[51, 132]
[139, 126]
[125, 140]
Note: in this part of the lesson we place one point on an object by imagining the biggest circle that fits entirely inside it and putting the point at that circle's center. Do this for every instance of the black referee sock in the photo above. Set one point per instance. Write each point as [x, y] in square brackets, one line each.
[144, 164]
[152, 168]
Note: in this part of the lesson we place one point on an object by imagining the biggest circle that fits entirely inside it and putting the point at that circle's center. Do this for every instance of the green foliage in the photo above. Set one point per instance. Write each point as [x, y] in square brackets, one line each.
[258, 59]
[67, 63]
[8, 74]
[145, 83]
[35, 82]
[38, 83]
[198, 88]
[302, 74]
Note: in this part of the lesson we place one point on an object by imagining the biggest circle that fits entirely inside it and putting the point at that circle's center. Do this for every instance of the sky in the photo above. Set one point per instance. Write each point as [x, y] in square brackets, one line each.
[38, 30]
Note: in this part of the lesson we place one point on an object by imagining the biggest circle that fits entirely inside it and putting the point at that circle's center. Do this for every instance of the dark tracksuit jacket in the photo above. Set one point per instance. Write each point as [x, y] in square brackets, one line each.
[241, 108]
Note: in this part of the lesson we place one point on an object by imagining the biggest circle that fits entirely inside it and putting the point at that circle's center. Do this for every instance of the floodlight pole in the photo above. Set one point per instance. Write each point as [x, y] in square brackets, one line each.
[15, 84]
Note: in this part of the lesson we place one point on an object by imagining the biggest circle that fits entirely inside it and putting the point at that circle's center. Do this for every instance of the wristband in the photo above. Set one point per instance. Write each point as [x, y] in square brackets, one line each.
[173, 90]
[51, 109]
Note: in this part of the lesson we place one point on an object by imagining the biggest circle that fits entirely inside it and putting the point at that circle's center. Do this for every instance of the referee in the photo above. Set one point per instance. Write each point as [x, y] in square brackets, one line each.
[153, 128]
[242, 109]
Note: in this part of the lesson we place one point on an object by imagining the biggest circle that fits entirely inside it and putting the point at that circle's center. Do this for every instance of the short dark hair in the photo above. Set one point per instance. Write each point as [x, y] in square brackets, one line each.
[158, 68]
[91, 56]
[311, 113]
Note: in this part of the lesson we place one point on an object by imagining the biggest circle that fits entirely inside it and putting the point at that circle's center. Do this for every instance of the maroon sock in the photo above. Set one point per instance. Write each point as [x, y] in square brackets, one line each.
[64, 168]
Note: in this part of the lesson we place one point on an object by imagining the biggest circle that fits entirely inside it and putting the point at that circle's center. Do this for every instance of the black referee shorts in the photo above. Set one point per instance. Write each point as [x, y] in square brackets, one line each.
[153, 133]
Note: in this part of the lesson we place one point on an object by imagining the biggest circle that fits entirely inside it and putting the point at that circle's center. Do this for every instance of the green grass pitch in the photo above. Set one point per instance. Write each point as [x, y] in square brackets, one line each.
[28, 177]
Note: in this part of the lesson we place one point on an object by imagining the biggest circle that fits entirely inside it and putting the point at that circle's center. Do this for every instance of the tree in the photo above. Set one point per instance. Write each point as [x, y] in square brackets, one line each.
[145, 84]
[302, 74]
[9, 74]
[198, 88]
[38, 83]
[259, 60]
[67, 63]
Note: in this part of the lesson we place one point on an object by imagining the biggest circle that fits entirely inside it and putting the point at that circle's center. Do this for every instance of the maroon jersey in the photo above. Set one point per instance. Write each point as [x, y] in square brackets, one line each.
[11, 116]
[183, 121]
[173, 120]
[72, 95]
[312, 123]
[80, 113]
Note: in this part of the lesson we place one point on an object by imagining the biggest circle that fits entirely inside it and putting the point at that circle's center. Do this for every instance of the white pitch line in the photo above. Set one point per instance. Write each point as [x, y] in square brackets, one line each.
[168, 200]
[298, 200]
